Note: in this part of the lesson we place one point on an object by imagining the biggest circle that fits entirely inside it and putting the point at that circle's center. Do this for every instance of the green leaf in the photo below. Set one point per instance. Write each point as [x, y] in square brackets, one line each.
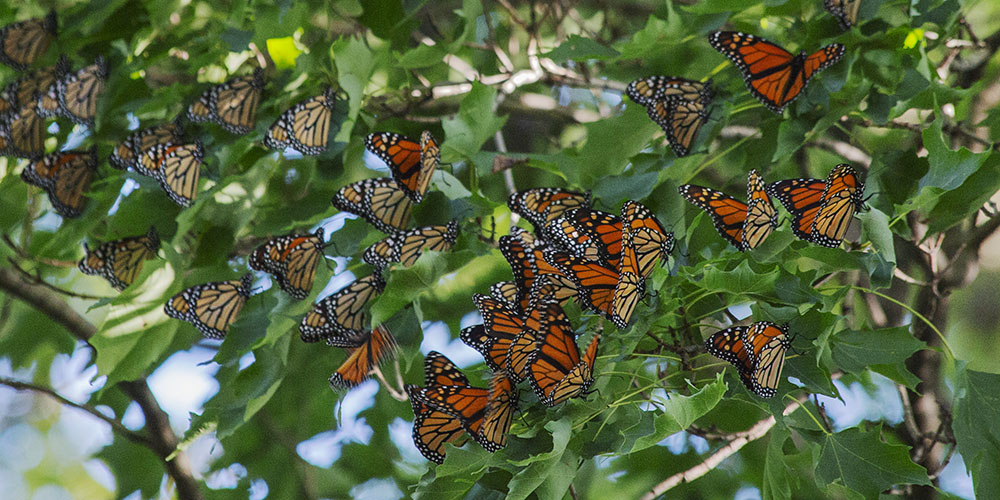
[862, 462]
[538, 469]
[855, 351]
[680, 412]
[577, 48]
[977, 410]
[355, 64]
[948, 169]
[422, 57]
[475, 123]
[776, 477]
[741, 281]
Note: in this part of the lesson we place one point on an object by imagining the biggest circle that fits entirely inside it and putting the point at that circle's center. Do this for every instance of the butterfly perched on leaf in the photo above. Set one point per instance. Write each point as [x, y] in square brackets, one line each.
[433, 428]
[505, 338]
[528, 261]
[407, 246]
[129, 153]
[744, 225]
[120, 261]
[555, 368]
[678, 105]
[542, 205]
[774, 75]
[292, 260]
[587, 233]
[76, 94]
[22, 133]
[484, 413]
[232, 104]
[339, 318]
[381, 202]
[757, 351]
[65, 176]
[176, 167]
[305, 127]
[846, 11]
[411, 163]
[822, 209]
[376, 346]
[211, 307]
[22, 43]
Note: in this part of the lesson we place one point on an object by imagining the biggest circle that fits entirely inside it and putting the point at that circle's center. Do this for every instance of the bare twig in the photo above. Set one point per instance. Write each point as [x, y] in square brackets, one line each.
[46, 301]
[24, 254]
[37, 278]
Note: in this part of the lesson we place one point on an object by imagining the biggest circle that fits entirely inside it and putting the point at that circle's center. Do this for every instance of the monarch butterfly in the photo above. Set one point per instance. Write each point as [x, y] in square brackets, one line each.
[211, 307]
[433, 428]
[410, 162]
[24, 42]
[821, 210]
[651, 89]
[846, 11]
[542, 205]
[176, 167]
[744, 225]
[757, 351]
[292, 259]
[76, 93]
[501, 329]
[232, 104]
[130, 151]
[589, 234]
[378, 346]
[774, 75]
[120, 261]
[305, 126]
[485, 414]
[406, 247]
[594, 282]
[339, 318]
[379, 201]
[28, 88]
[506, 292]
[555, 369]
[649, 239]
[526, 265]
[65, 176]
[631, 284]
[677, 105]
[24, 133]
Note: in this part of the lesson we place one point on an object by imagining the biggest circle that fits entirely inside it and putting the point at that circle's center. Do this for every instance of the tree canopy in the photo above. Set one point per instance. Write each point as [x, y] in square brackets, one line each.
[889, 384]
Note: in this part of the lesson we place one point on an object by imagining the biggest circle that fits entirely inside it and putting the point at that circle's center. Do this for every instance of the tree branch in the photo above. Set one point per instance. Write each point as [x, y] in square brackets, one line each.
[116, 426]
[46, 301]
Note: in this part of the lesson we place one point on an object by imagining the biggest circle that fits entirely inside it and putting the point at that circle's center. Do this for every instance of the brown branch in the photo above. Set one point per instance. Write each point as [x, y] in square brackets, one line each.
[116, 426]
[37, 278]
[161, 436]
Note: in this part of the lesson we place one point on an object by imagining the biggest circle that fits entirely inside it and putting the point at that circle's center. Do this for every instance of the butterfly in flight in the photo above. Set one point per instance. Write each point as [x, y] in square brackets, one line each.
[120, 261]
[822, 209]
[406, 247]
[757, 351]
[744, 225]
[774, 75]
[846, 11]
[339, 318]
[305, 127]
[232, 104]
[211, 307]
[22, 43]
[542, 205]
[65, 176]
[381, 202]
[292, 259]
[376, 346]
[678, 105]
[411, 163]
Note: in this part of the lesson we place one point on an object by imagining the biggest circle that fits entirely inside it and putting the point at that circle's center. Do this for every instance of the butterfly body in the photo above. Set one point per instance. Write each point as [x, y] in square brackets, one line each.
[433, 428]
[292, 259]
[120, 261]
[678, 105]
[211, 307]
[744, 225]
[772, 74]
[22, 43]
[340, 318]
[305, 126]
[176, 167]
[376, 346]
[411, 163]
[757, 351]
[821, 209]
[65, 176]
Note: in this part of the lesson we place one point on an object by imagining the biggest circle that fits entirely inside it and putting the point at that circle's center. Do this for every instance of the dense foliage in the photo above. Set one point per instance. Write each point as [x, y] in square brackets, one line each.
[522, 95]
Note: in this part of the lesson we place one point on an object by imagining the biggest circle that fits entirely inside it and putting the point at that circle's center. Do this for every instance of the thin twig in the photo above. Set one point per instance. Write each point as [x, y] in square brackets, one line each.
[116, 426]
[22, 253]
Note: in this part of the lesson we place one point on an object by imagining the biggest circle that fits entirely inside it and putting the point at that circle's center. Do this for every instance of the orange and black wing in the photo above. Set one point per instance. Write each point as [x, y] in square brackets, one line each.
[467, 404]
[120, 261]
[211, 307]
[340, 318]
[65, 176]
[729, 345]
[501, 327]
[773, 75]
[595, 283]
[305, 126]
[846, 11]
[761, 217]
[650, 240]
[841, 199]
[432, 428]
[768, 343]
[23, 42]
[651, 89]
[803, 198]
[411, 163]
[79, 93]
[379, 346]
[381, 202]
[728, 214]
[292, 259]
[588, 233]
[500, 407]
[630, 288]
[541, 205]
[555, 369]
